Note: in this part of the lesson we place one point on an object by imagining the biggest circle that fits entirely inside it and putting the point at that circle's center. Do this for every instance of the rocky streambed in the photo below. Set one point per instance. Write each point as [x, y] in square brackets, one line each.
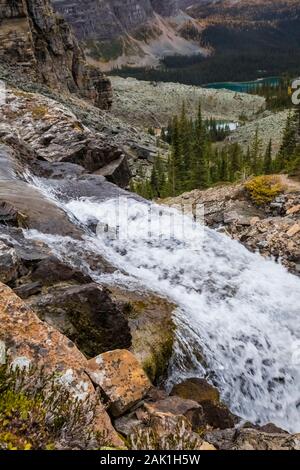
[172, 329]
[85, 301]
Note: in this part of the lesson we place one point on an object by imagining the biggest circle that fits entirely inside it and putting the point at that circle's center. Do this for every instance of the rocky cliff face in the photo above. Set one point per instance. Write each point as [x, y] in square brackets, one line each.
[42, 45]
[133, 31]
[165, 8]
[107, 19]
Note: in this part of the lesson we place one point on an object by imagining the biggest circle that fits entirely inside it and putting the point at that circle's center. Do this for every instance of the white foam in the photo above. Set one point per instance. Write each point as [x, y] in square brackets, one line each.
[241, 310]
[236, 309]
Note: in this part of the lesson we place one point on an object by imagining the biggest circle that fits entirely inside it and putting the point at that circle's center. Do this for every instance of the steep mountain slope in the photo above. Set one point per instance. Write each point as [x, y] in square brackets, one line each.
[138, 32]
[105, 19]
[248, 38]
[204, 40]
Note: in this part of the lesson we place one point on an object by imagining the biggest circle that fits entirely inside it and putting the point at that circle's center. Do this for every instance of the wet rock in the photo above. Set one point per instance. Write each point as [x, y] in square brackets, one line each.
[27, 290]
[9, 264]
[121, 378]
[215, 413]
[87, 315]
[28, 340]
[28, 252]
[50, 271]
[10, 216]
[58, 170]
[251, 439]
[218, 416]
[150, 319]
[41, 214]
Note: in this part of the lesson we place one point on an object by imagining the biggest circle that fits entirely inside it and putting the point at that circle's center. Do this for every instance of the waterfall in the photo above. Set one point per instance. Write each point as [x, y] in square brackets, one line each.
[238, 317]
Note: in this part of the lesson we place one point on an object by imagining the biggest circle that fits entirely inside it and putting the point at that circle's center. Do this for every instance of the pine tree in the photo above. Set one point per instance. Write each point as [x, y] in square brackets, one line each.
[215, 167]
[268, 163]
[199, 168]
[224, 171]
[177, 166]
[186, 137]
[235, 158]
[288, 146]
[255, 154]
[158, 177]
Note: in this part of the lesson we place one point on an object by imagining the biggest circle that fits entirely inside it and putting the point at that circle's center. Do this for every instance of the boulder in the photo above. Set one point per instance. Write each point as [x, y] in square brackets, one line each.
[293, 210]
[51, 270]
[10, 216]
[155, 428]
[27, 290]
[117, 172]
[54, 135]
[28, 340]
[179, 406]
[150, 319]
[293, 230]
[121, 378]
[215, 413]
[41, 214]
[9, 264]
[86, 314]
[252, 439]
[198, 390]
[57, 170]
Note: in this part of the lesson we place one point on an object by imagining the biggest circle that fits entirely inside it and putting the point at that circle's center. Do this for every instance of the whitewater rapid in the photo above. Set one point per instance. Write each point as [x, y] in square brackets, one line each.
[238, 315]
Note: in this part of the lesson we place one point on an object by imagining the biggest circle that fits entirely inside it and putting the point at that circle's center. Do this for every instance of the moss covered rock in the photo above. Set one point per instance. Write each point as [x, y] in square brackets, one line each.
[216, 414]
[152, 328]
[198, 390]
[87, 315]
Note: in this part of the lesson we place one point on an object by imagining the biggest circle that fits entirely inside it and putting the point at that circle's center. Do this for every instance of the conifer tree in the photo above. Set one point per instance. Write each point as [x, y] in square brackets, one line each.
[158, 178]
[268, 163]
[177, 167]
[255, 154]
[186, 137]
[235, 160]
[289, 143]
[224, 172]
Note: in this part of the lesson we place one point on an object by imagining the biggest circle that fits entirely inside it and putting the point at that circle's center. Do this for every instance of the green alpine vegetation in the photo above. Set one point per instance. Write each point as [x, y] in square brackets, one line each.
[198, 160]
[37, 412]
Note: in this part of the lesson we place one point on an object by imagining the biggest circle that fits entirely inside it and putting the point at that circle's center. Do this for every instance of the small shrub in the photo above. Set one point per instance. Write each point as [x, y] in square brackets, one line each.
[38, 112]
[172, 439]
[264, 189]
[37, 413]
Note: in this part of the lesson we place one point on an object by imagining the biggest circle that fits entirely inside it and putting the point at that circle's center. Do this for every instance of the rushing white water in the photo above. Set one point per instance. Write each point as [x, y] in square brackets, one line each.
[237, 310]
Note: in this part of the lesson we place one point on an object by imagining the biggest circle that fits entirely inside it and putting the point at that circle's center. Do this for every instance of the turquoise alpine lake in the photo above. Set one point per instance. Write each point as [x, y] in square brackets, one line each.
[244, 87]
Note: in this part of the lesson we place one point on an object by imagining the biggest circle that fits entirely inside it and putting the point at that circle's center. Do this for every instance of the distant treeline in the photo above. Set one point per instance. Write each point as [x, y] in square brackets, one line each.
[240, 54]
[196, 162]
[278, 96]
[219, 68]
